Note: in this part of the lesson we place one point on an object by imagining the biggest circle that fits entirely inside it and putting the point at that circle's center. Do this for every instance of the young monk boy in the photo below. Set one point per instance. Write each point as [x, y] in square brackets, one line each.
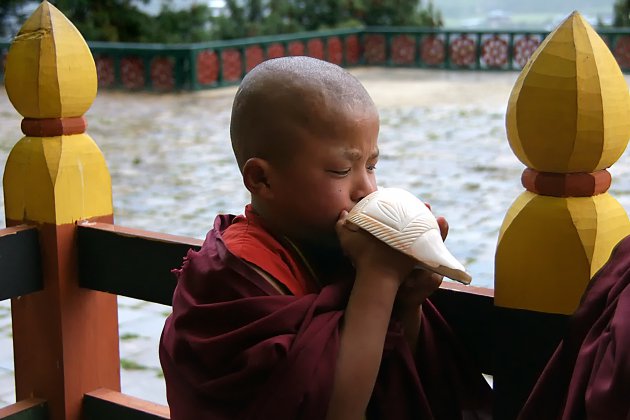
[287, 312]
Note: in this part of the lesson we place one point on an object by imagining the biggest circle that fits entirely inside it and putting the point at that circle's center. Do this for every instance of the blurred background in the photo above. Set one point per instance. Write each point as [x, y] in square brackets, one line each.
[178, 21]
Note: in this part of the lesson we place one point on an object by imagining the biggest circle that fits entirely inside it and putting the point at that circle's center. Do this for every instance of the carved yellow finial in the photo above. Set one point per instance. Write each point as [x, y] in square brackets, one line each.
[568, 111]
[567, 120]
[56, 173]
[50, 72]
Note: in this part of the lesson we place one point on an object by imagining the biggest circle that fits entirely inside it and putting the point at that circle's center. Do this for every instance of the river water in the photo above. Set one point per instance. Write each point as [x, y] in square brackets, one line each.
[442, 137]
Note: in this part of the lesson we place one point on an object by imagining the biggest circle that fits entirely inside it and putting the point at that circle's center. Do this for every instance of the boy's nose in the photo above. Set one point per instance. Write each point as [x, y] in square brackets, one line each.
[364, 185]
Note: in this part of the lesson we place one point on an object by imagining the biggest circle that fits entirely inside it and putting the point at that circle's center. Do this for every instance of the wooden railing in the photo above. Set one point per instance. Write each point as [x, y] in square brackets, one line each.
[63, 260]
[164, 67]
[134, 263]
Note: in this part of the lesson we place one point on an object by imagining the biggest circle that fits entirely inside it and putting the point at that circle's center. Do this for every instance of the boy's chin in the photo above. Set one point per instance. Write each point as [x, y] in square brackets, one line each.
[331, 243]
[327, 242]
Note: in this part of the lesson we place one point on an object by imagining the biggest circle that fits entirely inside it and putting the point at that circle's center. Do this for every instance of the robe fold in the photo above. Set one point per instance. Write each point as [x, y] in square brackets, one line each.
[588, 377]
[236, 347]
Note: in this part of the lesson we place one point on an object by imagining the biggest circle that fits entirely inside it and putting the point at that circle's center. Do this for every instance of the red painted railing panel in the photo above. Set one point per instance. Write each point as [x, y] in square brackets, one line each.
[334, 50]
[315, 48]
[494, 51]
[622, 51]
[163, 73]
[296, 48]
[254, 55]
[462, 51]
[524, 47]
[232, 65]
[403, 50]
[105, 71]
[207, 67]
[374, 49]
[132, 72]
[433, 50]
[275, 50]
[353, 50]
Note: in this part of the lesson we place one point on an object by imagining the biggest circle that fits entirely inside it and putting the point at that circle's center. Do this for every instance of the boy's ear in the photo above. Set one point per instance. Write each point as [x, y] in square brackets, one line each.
[256, 173]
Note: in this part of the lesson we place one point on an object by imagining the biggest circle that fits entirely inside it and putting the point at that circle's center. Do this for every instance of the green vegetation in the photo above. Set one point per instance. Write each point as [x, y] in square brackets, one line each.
[131, 365]
[622, 13]
[129, 336]
[10, 13]
[123, 21]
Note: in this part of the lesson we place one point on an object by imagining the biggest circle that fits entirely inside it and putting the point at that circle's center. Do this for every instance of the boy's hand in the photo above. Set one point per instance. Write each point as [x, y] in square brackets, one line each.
[442, 223]
[369, 253]
[420, 284]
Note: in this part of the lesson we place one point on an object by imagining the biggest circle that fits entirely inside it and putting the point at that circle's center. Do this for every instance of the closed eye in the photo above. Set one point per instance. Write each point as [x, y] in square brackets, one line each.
[342, 172]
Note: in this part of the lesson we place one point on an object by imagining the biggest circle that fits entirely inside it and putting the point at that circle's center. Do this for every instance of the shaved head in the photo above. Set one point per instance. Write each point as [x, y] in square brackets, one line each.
[282, 99]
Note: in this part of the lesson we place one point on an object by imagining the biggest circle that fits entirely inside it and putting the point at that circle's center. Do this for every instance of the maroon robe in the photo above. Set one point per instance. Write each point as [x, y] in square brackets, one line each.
[235, 347]
[588, 377]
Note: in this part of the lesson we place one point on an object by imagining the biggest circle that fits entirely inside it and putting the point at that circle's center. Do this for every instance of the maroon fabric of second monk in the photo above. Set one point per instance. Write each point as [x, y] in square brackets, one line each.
[234, 348]
[588, 376]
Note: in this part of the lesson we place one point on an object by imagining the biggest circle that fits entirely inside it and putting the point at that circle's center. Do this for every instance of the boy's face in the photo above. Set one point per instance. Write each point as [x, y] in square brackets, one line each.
[327, 174]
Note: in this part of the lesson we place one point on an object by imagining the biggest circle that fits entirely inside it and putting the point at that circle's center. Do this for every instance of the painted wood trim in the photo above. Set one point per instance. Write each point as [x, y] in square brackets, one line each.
[20, 261]
[473, 290]
[105, 404]
[30, 409]
[65, 338]
[131, 262]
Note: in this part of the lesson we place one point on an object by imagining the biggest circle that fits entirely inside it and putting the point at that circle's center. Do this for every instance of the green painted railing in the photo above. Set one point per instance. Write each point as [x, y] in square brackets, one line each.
[162, 67]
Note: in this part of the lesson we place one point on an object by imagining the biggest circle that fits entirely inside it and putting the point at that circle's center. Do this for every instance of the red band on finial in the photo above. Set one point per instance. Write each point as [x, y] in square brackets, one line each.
[52, 127]
[578, 184]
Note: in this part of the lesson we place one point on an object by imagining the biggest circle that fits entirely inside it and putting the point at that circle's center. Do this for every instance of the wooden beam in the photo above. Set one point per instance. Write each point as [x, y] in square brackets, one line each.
[31, 409]
[105, 404]
[469, 311]
[65, 338]
[524, 341]
[19, 261]
[136, 263]
[131, 262]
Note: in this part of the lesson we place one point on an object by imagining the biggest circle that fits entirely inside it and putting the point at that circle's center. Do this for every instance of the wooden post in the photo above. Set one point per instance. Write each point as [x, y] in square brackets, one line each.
[65, 338]
[567, 121]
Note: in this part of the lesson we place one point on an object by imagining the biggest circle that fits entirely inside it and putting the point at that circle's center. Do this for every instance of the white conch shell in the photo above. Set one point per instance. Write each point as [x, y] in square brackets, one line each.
[401, 220]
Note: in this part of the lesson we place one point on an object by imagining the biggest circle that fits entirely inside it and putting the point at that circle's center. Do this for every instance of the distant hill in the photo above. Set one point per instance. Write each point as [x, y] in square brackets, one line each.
[519, 13]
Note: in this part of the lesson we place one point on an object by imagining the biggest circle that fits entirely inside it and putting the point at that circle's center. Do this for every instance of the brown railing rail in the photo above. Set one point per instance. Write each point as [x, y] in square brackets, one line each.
[27, 409]
[19, 261]
[130, 262]
[136, 263]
